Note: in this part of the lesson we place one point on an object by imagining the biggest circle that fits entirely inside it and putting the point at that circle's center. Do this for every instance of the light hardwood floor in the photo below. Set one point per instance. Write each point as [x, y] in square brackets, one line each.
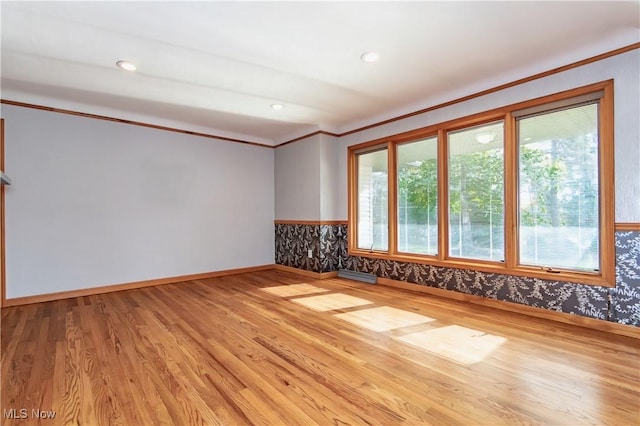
[274, 348]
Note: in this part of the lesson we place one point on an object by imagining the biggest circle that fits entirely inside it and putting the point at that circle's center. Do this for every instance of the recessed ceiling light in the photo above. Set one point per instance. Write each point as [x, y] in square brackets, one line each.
[126, 65]
[277, 107]
[370, 57]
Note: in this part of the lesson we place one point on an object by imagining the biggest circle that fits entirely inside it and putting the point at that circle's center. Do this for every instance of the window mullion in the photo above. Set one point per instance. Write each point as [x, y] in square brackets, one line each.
[353, 206]
[392, 197]
[510, 192]
[443, 196]
[607, 184]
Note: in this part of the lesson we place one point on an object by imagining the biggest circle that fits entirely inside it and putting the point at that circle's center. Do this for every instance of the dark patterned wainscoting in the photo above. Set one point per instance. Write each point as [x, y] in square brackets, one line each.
[333, 247]
[625, 297]
[329, 243]
[293, 242]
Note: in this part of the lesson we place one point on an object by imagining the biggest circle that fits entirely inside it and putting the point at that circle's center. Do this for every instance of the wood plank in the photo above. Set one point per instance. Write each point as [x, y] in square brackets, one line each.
[226, 350]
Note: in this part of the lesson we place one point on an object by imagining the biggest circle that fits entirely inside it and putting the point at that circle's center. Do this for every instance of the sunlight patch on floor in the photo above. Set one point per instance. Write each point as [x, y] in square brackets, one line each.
[460, 344]
[383, 318]
[330, 302]
[294, 290]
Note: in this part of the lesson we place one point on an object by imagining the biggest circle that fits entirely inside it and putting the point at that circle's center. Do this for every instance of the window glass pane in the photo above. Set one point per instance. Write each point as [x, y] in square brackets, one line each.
[373, 211]
[558, 189]
[476, 194]
[418, 197]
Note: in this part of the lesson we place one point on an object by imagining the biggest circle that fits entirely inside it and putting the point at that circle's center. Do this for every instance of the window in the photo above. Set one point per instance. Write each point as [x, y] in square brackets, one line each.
[558, 186]
[476, 192]
[373, 207]
[417, 208]
[525, 189]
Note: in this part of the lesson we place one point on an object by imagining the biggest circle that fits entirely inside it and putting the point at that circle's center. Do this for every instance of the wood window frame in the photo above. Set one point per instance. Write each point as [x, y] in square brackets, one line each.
[354, 207]
[511, 265]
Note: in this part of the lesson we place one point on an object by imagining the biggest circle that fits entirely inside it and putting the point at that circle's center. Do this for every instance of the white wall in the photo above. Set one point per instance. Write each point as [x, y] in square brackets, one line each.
[624, 69]
[297, 180]
[98, 203]
[306, 179]
[329, 159]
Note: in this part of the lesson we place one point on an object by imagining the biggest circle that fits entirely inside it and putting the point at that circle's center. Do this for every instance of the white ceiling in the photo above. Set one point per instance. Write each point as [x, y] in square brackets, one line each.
[216, 67]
